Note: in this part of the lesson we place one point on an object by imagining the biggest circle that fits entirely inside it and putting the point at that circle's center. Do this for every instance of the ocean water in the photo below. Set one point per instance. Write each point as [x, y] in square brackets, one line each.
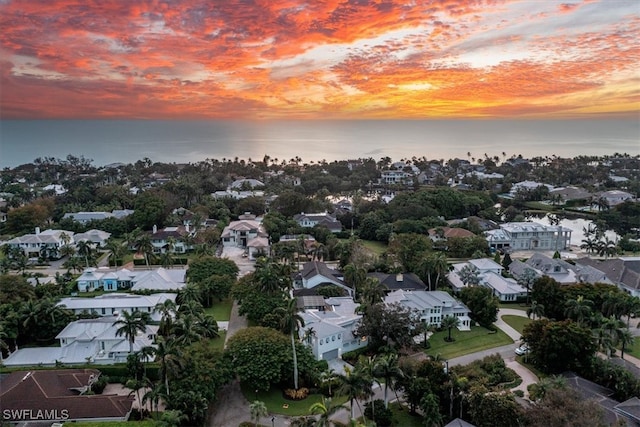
[180, 141]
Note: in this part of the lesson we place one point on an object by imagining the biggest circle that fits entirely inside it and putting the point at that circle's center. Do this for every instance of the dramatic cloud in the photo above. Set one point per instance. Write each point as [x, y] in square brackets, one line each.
[318, 59]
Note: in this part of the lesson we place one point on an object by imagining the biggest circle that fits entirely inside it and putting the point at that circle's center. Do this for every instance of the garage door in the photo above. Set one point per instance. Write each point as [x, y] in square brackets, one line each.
[330, 355]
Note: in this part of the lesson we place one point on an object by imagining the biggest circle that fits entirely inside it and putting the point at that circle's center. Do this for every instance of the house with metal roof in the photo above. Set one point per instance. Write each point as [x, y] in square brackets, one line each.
[330, 330]
[112, 304]
[33, 244]
[490, 275]
[518, 236]
[85, 341]
[432, 306]
[316, 273]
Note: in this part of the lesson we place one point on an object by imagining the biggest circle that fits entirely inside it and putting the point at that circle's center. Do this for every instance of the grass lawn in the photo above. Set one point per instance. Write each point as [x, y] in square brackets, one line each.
[218, 343]
[477, 339]
[275, 401]
[635, 349]
[517, 322]
[376, 247]
[220, 310]
[147, 423]
[402, 417]
[514, 306]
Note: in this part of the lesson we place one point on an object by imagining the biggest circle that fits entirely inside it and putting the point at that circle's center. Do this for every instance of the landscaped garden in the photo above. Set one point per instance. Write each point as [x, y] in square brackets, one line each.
[477, 339]
[276, 403]
[220, 310]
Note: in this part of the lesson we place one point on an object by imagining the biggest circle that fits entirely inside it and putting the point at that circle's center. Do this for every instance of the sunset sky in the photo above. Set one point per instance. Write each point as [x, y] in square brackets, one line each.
[262, 59]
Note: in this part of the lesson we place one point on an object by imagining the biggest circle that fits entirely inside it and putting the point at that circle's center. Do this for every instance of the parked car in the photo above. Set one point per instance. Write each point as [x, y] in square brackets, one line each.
[522, 350]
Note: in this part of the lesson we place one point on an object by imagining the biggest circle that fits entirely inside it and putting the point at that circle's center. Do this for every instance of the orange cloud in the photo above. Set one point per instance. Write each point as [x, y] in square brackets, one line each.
[334, 58]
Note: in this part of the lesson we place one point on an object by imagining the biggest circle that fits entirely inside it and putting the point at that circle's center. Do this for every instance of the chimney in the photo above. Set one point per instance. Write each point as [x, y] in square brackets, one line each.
[155, 229]
[399, 277]
[37, 230]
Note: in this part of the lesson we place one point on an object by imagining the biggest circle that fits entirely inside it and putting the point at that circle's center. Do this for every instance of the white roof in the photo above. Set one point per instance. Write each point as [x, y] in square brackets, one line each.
[503, 285]
[160, 279]
[484, 264]
[116, 300]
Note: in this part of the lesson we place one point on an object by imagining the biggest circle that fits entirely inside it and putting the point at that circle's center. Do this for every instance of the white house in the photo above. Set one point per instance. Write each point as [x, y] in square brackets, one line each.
[97, 237]
[331, 331]
[615, 197]
[82, 341]
[324, 219]
[527, 186]
[520, 236]
[86, 217]
[159, 279]
[240, 233]
[432, 306]
[52, 240]
[112, 304]
[160, 239]
[396, 177]
[490, 275]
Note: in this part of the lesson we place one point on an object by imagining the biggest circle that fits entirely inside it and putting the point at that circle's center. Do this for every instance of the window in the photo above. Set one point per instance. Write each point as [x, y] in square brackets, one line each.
[321, 341]
[339, 336]
[333, 338]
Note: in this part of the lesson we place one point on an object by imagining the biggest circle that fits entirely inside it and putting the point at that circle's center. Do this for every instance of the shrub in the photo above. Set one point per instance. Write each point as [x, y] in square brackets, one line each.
[376, 411]
[519, 393]
[299, 394]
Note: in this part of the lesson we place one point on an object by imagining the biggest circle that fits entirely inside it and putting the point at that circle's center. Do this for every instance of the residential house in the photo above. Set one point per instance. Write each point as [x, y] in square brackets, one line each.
[490, 276]
[176, 236]
[624, 272]
[245, 184]
[85, 340]
[402, 281]
[240, 233]
[568, 194]
[323, 219]
[520, 236]
[316, 273]
[97, 237]
[237, 194]
[112, 304]
[431, 306]
[558, 269]
[33, 244]
[257, 247]
[86, 217]
[159, 279]
[615, 197]
[396, 177]
[440, 234]
[524, 186]
[50, 397]
[330, 330]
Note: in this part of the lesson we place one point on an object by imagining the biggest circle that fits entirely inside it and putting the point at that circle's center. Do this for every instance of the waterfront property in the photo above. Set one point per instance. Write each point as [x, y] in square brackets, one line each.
[520, 236]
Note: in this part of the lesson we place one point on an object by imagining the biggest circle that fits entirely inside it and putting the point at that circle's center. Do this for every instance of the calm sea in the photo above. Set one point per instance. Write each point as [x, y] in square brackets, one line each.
[108, 141]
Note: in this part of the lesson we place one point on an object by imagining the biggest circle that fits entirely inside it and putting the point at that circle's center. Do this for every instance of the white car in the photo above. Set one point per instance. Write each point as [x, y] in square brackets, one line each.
[522, 350]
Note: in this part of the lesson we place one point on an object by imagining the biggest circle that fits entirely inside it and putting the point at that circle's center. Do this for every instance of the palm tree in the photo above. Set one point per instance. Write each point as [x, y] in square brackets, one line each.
[626, 340]
[144, 246]
[116, 251]
[352, 384]
[168, 354]
[130, 324]
[171, 418]
[354, 276]
[153, 395]
[536, 310]
[85, 249]
[449, 322]
[207, 326]
[186, 330]
[372, 291]
[326, 409]
[578, 309]
[167, 310]
[258, 410]
[190, 292]
[291, 322]
[386, 368]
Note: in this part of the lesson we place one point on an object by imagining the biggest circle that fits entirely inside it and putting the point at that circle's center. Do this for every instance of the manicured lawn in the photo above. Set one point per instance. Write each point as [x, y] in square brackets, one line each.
[403, 418]
[218, 343]
[477, 339]
[274, 401]
[514, 305]
[377, 248]
[220, 310]
[517, 322]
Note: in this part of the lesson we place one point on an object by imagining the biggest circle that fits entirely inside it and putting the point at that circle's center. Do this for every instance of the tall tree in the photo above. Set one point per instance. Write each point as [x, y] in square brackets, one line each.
[258, 410]
[130, 324]
[448, 323]
[291, 322]
[386, 368]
